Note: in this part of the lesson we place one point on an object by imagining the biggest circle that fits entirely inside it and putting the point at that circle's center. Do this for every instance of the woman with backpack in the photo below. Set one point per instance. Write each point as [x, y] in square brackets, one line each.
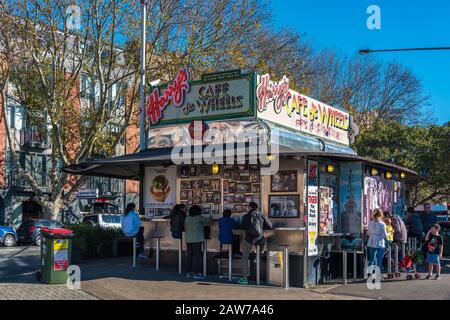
[254, 223]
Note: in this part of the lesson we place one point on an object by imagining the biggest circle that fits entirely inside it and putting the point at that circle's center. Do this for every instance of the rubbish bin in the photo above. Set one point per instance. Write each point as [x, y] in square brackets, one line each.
[56, 247]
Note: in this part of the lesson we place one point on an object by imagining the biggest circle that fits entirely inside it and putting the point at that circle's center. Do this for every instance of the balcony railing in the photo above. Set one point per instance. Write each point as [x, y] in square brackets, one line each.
[32, 140]
[17, 183]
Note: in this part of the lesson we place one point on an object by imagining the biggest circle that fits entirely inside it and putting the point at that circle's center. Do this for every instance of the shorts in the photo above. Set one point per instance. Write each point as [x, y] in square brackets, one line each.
[433, 258]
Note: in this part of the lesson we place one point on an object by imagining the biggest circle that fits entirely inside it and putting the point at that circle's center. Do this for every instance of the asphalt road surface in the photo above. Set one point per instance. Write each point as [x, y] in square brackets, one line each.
[18, 261]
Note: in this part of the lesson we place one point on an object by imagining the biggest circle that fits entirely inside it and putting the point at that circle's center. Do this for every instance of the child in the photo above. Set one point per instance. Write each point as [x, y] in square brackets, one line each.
[390, 231]
[226, 226]
[434, 248]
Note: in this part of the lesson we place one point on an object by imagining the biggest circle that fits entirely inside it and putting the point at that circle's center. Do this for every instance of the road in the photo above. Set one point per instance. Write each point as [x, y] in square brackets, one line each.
[18, 282]
[18, 261]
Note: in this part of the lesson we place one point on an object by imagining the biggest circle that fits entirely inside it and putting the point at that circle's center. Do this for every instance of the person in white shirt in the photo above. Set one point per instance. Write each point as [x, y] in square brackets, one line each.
[377, 234]
[131, 227]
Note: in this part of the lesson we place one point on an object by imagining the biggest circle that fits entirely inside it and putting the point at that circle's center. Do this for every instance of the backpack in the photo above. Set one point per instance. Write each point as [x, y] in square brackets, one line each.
[253, 226]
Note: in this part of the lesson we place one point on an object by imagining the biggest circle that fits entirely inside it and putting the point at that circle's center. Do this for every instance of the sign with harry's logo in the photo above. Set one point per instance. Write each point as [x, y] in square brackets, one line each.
[184, 101]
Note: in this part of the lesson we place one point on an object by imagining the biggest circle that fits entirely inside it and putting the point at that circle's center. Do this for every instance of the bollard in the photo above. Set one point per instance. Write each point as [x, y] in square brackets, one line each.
[403, 250]
[180, 256]
[134, 252]
[158, 245]
[258, 265]
[366, 264]
[355, 264]
[230, 262]
[205, 253]
[389, 262]
[344, 267]
[396, 258]
[286, 267]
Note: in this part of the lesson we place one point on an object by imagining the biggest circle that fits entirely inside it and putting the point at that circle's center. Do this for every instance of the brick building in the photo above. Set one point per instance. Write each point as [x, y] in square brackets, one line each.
[34, 154]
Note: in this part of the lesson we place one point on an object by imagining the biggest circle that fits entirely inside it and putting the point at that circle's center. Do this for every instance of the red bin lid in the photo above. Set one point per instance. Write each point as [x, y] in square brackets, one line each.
[57, 231]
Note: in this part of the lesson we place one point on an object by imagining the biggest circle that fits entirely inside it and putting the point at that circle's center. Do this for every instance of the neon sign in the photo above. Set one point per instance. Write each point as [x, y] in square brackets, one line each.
[272, 92]
[175, 93]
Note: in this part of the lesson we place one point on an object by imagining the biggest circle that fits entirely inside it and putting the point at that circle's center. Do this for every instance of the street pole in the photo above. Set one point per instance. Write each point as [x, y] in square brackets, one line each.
[367, 51]
[142, 145]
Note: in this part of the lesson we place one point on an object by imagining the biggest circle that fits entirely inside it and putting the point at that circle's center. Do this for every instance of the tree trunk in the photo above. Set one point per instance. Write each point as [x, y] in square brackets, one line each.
[56, 208]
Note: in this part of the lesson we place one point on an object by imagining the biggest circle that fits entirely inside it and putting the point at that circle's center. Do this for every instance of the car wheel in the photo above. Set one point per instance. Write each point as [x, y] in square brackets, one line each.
[9, 240]
[37, 240]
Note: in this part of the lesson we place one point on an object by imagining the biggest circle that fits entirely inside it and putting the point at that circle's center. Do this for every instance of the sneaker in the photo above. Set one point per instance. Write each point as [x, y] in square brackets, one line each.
[243, 280]
[188, 275]
[428, 277]
[438, 277]
[198, 276]
[142, 256]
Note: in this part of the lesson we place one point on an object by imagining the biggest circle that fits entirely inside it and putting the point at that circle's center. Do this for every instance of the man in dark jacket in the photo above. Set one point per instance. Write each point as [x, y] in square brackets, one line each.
[414, 224]
[428, 218]
[254, 222]
[177, 217]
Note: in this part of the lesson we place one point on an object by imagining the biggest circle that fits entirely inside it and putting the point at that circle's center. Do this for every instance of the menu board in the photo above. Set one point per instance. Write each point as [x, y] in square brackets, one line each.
[233, 188]
[313, 208]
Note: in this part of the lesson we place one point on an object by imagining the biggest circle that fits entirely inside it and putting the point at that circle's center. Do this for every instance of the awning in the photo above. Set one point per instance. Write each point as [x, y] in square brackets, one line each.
[127, 166]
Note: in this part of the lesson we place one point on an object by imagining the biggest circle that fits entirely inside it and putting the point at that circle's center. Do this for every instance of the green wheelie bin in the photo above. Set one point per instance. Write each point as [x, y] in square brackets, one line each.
[56, 247]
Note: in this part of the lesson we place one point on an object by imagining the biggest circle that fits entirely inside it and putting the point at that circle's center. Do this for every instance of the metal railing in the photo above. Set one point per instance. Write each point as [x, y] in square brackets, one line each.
[32, 138]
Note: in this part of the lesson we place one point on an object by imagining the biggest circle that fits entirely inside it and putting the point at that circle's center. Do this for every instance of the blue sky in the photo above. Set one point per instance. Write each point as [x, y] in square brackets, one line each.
[341, 24]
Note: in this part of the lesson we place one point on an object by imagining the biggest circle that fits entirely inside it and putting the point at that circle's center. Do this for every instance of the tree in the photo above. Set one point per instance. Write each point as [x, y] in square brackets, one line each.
[79, 83]
[370, 89]
[425, 149]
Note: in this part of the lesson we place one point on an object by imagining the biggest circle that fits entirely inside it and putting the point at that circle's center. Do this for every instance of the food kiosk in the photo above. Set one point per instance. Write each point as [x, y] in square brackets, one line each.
[231, 138]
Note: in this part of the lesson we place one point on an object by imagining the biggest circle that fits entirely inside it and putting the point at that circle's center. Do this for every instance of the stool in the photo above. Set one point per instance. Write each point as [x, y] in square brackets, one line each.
[389, 260]
[158, 246]
[258, 264]
[396, 258]
[285, 265]
[230, 262]
[205, 253]
[180, 256]
[134, 250]
[344, 266]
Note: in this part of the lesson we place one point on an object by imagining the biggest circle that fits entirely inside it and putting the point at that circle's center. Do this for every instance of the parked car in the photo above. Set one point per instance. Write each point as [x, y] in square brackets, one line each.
[8, 236]
[104, 220]
[30, 231]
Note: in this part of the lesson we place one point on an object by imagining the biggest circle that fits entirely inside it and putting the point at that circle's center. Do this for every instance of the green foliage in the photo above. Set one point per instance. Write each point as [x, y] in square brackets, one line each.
[423, 149]
[88, 238]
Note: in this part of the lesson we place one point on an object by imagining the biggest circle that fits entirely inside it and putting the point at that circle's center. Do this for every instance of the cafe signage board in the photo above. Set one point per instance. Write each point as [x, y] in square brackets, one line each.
[213, 98]
[277, 103]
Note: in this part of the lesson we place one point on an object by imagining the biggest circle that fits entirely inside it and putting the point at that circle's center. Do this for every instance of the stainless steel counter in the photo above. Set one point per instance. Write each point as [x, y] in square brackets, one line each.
[294, 236]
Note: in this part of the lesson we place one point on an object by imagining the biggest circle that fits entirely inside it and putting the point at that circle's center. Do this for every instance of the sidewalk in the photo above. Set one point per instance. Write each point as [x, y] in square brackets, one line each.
[402, 289]
[117, 279]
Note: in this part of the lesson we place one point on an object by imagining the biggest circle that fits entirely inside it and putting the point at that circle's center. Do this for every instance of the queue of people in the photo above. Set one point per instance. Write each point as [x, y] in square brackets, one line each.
[383, 230]
[386, 229]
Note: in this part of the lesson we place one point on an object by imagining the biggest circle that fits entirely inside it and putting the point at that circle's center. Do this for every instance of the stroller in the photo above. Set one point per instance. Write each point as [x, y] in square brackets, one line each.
[410, 262]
